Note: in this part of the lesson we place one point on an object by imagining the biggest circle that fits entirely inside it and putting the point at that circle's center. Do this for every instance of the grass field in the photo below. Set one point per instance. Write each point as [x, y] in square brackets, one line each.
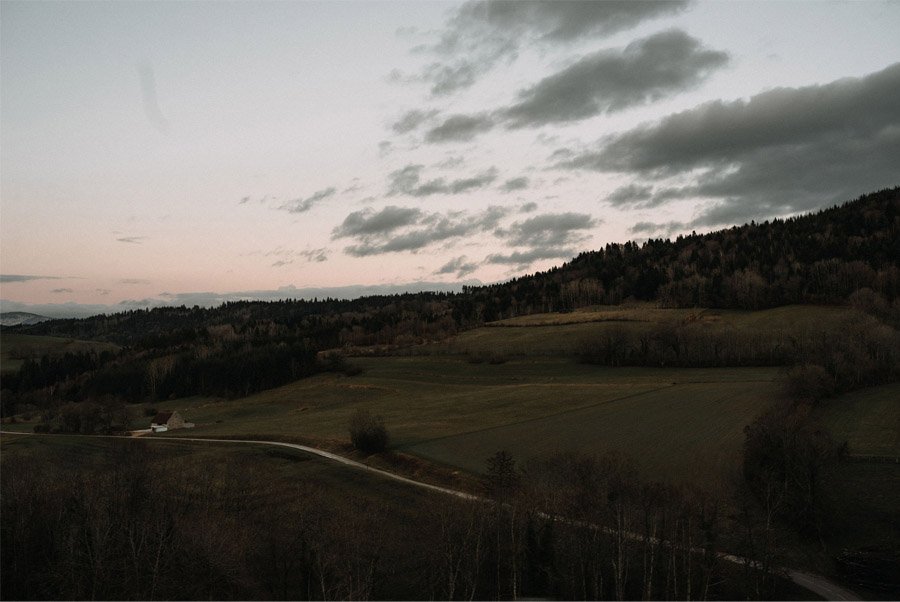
[869, 420]
[246, 467]
[446, 409]
[15, 348]
[564, 333]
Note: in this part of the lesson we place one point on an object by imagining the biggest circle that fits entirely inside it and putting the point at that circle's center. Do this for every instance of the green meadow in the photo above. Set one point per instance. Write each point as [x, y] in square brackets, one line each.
[457, 413]
[16, 348]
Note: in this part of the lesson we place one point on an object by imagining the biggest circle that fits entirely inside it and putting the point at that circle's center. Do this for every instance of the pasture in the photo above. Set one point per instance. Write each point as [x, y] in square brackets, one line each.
[15, 348]
[556, 334]
[868, 420]
[448, 410]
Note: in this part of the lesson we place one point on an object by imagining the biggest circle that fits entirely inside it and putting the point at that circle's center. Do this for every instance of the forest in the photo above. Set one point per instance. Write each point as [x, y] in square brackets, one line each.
[846, 255]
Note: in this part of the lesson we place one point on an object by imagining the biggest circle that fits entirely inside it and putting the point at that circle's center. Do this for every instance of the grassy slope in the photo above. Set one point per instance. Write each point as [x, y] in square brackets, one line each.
[869, 420]
[458, 413]
[244, 466]
[25, 345]
[563, 333]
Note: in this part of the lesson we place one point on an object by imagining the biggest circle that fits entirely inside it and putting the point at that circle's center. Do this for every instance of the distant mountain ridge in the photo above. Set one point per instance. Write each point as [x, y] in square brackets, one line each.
[16, 318]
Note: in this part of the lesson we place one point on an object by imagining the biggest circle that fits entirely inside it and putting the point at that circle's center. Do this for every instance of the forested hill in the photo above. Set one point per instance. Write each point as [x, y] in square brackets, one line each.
[844, 255]
[851, 250]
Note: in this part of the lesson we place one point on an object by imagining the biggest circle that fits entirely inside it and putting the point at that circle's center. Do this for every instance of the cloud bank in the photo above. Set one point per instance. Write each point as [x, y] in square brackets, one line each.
[783, 150]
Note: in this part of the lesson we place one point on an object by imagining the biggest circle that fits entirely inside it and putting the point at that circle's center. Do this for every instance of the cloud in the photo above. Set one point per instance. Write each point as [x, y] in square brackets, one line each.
[547, 236]
[458, 266]
[629, 195]
[482, 33]
[528, 207]
[150, 99]
[549, 230]
[607, 81]
[523, 259]
[9, 278]
[561, 21]
[133, 281]
[782, 151]
[408, 181]
[287, 256]
[301, 205]
[369, 223]
[396, 229]
[458, 128]
[447, 79]
[514, 184]
[412, 120]
[132, 240]
[61, 290]
[102, 291]
[653, 227]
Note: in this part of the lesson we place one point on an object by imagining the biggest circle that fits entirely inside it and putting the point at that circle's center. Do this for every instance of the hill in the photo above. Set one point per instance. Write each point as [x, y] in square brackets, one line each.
[16, 318]
[846, 255]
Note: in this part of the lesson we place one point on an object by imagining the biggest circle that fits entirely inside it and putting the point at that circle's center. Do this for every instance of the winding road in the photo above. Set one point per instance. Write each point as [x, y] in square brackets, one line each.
[814, 583]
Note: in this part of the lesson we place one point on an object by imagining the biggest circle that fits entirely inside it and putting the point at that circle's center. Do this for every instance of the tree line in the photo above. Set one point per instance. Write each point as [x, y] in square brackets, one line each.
[847, 254]
[132, 526]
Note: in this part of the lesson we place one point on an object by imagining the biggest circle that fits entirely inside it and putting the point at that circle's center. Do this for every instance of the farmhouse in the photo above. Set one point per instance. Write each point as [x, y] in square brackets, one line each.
[164, 421]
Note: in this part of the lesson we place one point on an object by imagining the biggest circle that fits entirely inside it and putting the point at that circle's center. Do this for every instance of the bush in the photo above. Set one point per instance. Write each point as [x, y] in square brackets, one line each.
[150, 412]
[809, 382]
[368, 433]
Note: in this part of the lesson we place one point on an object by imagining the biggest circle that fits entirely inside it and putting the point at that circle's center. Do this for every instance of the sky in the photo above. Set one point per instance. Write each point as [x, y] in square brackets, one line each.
[193, 152]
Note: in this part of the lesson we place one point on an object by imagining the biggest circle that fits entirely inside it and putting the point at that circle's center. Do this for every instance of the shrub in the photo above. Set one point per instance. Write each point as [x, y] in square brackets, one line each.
[368, 432]
[809, 382]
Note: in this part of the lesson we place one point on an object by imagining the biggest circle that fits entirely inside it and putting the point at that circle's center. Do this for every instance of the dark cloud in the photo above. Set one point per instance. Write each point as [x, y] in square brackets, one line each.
[301, 205]
[547, 236]
[528, 207]
[782, 151]
[481, 34]
[525, 258]
[459, 266]
[133, 240]
[395, 229]
[562, 21]
[646, 70]
[548, 230]
[8, 278]
[458, 128]
[412, 120]
[447, 79]
[655, 228]
[514, 184]
[630, 195]
[369, 223]
[408, 181]
[61, 290]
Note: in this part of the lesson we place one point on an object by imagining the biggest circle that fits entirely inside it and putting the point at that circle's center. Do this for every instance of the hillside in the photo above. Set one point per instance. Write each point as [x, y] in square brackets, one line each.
[847, 255]
[16, 318]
